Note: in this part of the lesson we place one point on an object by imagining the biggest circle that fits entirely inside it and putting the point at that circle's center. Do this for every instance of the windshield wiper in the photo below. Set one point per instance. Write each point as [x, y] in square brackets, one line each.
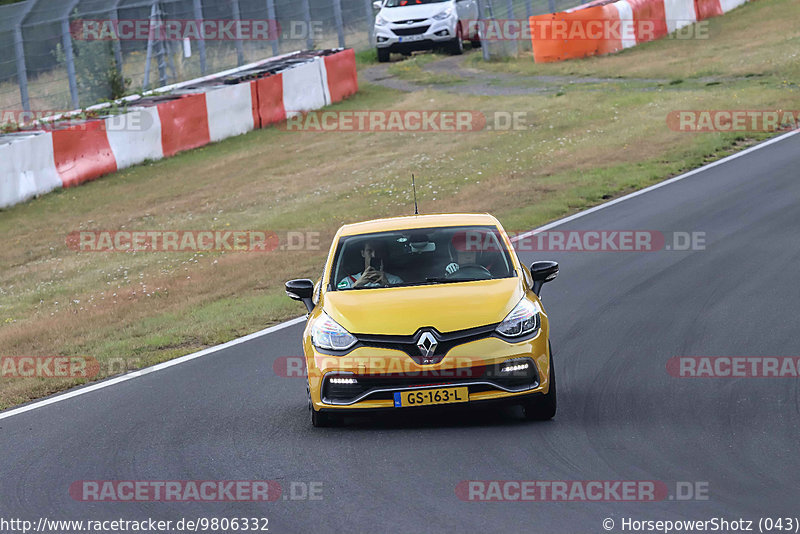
[442, 279]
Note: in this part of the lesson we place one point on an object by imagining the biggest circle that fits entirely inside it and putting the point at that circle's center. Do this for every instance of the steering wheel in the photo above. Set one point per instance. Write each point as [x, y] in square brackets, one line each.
[470, 271]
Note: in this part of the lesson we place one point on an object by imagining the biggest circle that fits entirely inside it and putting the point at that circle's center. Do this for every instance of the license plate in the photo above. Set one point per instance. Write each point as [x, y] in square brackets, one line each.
[426, 397]
[411, 38]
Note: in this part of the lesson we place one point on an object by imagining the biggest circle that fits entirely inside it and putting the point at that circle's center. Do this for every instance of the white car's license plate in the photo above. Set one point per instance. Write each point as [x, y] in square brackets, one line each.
[409, 38]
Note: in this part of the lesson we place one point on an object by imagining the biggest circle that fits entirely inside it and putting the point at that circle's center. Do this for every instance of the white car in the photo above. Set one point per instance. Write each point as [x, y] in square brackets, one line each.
[404, 26]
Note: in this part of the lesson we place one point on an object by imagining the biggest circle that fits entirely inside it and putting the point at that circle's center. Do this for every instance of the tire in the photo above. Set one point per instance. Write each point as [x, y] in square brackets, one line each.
[543, 407]
[456, 46]
[383, 55]
[321, 419]
[318, 419]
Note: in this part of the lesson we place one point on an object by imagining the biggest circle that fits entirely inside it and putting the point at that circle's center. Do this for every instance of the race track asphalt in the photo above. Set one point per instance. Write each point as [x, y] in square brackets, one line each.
[617, 318]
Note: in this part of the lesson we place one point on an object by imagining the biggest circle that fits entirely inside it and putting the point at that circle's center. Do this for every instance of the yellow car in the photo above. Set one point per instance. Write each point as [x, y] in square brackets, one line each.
[422, 311]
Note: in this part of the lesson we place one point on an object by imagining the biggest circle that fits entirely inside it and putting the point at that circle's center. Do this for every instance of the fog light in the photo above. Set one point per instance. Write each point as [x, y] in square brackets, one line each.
[382, 39]
[515, 368]
[338, 380]
[442, 33]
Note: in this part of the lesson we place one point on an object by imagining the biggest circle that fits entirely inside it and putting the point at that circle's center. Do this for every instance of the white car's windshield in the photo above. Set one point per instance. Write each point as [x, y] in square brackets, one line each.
[403, 3]
[418, 257]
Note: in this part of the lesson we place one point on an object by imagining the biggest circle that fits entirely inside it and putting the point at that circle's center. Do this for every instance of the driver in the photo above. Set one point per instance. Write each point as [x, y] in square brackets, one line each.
[373, 274]
[461, 254]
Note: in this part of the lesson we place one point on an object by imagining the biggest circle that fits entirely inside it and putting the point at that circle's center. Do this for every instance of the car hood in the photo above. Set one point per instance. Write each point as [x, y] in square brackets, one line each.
[404, 310]
[422, 11]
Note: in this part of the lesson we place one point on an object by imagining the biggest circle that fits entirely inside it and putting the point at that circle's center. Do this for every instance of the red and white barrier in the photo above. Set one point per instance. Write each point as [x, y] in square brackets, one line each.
[303, 88]
[36, 164]
[637, 21]
[679, 14]
[230, 111]
[82, 153]
[27, 168]
[135, 136]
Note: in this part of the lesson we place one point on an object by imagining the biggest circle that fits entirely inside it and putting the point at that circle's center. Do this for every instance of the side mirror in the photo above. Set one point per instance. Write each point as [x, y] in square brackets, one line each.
[302, 290]
[543, 272]
[377, 4]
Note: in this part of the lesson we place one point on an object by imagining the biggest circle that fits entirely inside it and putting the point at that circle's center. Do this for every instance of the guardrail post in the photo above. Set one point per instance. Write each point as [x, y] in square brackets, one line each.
[201, 43]
[481, 28]
[69, 55]
[552, 4]
[274, 28]
[370, 21]
[114, 16]
[149, 54]
[514, 45]
[22, 70]
[237, 16]
[19, 51]
[528, 8]
[337, 15]
[307, 17]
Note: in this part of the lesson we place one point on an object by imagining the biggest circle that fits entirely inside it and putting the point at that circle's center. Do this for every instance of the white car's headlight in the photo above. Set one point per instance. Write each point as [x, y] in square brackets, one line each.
[524, 319]
[380, 21]
[444, 14]
[328, 334]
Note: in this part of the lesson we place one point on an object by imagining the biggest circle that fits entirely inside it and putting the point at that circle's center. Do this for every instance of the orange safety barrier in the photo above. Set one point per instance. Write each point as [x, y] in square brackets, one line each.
[546, 30]
[268, 100]
[82, 153]
[184, 124]
[342, 74]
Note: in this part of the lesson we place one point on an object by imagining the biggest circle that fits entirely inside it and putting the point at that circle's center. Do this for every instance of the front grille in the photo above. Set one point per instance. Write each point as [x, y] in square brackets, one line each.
[382, 386]
[410, 21]
[419, 30]
[408, 344]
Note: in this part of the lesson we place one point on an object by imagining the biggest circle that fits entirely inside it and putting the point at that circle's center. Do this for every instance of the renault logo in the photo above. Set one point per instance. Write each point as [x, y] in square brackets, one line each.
[427, 346]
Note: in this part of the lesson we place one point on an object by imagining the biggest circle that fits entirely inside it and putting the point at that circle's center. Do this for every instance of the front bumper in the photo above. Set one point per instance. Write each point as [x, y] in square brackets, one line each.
[379, 373]
[417, 36]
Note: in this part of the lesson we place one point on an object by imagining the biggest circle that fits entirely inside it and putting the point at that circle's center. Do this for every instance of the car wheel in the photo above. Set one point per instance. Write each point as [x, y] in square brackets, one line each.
[383, 55]
[543, 407]
[456, 46]
[475, 41]
[321, 419]
[318, 419]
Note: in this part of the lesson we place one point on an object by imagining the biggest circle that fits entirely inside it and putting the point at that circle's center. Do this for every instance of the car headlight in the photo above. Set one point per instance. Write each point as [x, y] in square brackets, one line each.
[380, 21]
[328, 334]
[444, 14]
[524, 319]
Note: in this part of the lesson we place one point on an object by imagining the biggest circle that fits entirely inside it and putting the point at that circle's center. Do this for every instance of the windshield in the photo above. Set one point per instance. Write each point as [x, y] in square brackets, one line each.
[419, 257]
[402, 3]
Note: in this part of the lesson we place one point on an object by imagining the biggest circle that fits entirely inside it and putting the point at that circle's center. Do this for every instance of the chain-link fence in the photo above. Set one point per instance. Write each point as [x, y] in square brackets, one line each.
[66, 54]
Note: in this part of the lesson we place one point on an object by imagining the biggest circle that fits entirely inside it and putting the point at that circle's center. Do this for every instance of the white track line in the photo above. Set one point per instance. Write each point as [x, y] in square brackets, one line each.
[656, 186]
[148, 370]
[298, 320]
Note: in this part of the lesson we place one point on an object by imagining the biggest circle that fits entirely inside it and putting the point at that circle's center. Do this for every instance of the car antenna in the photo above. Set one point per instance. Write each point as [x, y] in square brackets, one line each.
[414, 187]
